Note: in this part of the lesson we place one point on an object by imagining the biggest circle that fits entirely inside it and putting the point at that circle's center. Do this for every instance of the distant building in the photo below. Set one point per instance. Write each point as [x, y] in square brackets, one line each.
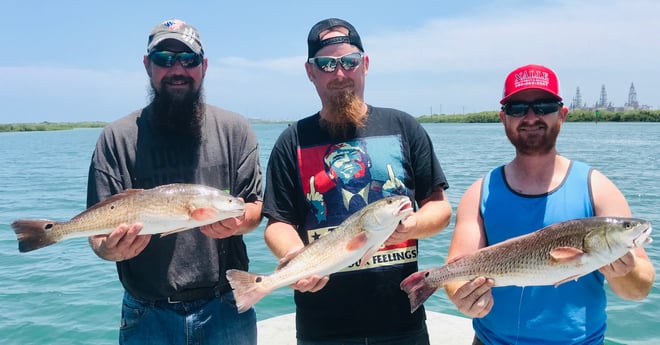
[604, 104]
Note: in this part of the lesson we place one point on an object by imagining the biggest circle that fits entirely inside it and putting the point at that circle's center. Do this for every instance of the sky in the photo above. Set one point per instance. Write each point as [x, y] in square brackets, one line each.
[69, 61]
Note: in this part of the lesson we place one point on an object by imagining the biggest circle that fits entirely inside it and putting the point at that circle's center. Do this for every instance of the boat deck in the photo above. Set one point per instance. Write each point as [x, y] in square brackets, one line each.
[443, 329]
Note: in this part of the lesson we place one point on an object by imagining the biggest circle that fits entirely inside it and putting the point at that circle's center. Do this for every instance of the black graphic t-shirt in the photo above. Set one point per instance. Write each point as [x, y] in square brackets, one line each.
[315, 183]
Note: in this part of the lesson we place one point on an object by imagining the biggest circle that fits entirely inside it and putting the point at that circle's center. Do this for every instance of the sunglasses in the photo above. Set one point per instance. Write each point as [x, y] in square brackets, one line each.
[543, 107]
[329, 63]
[165, 58]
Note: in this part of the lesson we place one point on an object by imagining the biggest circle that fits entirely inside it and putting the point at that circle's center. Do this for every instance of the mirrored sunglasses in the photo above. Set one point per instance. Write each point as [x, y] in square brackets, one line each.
[519, 109]
[165, 58]
[329, 63]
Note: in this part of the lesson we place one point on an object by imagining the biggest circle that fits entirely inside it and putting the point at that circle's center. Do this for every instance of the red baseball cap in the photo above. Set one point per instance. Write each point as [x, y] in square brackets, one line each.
[531, 77]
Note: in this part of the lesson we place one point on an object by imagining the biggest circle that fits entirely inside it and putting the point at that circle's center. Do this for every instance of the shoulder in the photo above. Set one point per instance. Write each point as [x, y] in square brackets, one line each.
[225, 116]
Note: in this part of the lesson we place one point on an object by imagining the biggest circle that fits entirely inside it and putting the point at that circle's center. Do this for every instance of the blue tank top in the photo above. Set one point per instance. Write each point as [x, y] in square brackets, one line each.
[573, 312]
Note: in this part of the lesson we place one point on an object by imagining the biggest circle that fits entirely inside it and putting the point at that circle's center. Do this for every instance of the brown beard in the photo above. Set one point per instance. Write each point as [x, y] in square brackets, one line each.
[345, 113]
[180, 115]
[537, 145]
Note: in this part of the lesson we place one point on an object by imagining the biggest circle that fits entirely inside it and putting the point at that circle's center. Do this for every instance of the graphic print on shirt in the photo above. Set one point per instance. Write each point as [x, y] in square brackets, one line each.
[341, 178]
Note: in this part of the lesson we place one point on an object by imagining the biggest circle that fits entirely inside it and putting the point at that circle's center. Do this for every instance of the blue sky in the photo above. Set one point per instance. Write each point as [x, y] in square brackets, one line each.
[82, 60]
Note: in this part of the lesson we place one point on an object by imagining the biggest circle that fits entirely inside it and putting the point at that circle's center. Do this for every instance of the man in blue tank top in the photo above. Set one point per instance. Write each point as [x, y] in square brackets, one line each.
[537, 188]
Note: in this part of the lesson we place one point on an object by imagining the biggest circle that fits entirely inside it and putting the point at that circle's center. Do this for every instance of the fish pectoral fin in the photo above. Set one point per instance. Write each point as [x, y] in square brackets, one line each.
[166, 233]
[566, 254]
[367, 256]
[566, 280]
[358, 241]
[203, 213]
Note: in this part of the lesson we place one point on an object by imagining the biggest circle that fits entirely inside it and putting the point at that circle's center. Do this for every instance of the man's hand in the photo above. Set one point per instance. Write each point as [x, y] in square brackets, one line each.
[474, 298]
[123, 243]
[620, 267]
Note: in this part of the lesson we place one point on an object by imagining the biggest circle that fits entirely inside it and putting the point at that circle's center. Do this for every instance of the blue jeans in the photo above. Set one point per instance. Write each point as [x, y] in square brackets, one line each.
[420, 337]
[213, 321]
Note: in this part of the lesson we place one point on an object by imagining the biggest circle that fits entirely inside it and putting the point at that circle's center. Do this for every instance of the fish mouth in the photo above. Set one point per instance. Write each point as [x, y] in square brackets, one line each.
[405, 207]
[643, 238]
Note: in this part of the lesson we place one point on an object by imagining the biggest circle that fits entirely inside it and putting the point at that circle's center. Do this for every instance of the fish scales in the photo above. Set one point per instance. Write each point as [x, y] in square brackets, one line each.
[550, 256]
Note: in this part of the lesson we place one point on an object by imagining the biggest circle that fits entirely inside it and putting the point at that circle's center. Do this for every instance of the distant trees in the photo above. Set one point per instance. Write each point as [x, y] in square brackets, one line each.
[573, 116]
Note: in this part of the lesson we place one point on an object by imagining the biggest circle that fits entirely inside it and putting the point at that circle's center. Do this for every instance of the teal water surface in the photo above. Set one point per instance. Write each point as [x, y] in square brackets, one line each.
[64, 294]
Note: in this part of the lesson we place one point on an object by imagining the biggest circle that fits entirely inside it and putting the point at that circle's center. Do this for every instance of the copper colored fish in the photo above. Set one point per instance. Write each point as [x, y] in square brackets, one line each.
[165, 209]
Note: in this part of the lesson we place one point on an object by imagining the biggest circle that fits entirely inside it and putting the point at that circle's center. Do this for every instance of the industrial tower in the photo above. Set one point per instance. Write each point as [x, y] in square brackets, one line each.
[632, 98]
[577, 100]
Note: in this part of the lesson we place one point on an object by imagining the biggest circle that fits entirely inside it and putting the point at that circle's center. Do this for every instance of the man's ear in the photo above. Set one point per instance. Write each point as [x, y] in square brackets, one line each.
[147, 64]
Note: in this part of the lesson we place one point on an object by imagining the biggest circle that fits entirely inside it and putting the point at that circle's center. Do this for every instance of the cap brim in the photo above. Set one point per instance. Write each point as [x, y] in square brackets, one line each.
[554, 95]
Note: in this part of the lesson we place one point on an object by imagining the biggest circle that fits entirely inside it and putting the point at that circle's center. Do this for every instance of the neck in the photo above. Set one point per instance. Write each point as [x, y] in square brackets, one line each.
[535, 175]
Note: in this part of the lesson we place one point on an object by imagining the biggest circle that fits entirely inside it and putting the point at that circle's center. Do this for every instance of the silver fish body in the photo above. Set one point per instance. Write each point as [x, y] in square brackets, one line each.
[164, 209]
[553, 255]
[356, 238]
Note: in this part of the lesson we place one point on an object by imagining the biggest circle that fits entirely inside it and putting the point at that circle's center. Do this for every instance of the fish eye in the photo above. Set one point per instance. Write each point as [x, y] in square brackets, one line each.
[627, 225]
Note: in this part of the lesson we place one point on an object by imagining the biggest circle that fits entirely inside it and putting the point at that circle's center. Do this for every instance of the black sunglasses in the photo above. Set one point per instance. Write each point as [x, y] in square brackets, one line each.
[329, 63]
[542, 107]
[165, 58]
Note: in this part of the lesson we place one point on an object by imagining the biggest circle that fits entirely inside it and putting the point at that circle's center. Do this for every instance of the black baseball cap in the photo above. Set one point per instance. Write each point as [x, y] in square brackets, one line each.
[314, 42]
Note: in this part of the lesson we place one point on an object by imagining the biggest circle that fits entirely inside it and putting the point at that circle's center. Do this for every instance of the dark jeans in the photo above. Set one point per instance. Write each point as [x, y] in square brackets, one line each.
[420, 337]
[211, 321]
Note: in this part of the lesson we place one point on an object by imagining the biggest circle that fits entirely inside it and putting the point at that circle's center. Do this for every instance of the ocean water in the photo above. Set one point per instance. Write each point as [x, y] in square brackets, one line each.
[64, 294]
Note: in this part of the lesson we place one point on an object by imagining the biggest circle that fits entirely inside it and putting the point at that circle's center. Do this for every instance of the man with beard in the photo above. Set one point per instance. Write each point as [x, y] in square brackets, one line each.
[357, 305]
[537, 188]
[175, 286]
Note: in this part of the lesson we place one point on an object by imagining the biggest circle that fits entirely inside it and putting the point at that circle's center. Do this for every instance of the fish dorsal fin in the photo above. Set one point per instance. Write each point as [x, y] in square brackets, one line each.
[454, 259]
[566, 254]
[288, 257]
[110, 200]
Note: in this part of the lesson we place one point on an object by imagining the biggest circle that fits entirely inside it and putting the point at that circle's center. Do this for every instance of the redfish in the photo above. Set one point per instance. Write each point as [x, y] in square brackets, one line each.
[358, 237]
[556, 254]
[164, 209]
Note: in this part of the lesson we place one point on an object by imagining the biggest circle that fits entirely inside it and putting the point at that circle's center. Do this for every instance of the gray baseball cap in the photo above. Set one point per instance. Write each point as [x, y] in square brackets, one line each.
[178, 30]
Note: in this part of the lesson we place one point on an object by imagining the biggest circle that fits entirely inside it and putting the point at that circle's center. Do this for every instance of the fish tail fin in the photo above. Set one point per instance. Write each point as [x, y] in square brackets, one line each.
[33, 234]
[247, 290]
[418, 289]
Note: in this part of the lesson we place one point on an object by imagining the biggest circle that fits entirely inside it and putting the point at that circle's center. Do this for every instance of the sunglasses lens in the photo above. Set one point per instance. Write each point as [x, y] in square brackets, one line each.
[545, 108]
[539, 108]
[167, 59]
[351, 61]
[326, 63]
[516, 109]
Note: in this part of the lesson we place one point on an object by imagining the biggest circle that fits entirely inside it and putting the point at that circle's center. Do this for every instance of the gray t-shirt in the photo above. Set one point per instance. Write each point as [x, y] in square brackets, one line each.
[131, 153]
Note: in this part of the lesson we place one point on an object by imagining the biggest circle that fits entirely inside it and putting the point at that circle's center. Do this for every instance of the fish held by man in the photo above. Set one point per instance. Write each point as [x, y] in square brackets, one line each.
[556, 254]
[356, 238]
[162, 210]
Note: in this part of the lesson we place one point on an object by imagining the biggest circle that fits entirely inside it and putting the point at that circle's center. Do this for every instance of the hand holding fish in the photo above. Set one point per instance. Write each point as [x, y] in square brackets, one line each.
[620, 267]
[224, 228]
[308, 284]
[124, 243]
[474, 298]
[403, 231]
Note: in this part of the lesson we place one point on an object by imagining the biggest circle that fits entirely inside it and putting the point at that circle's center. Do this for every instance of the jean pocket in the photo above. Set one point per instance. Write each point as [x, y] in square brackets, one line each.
[132, 311]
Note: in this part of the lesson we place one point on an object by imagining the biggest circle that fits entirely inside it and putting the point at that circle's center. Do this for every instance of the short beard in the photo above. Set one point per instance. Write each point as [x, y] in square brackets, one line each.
[345, 114]
[534, 146]
[181, 115]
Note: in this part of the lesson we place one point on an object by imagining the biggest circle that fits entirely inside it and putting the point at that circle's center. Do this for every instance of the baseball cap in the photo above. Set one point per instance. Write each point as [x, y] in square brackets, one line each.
[175, 29]
[314, 42]
[531, 77]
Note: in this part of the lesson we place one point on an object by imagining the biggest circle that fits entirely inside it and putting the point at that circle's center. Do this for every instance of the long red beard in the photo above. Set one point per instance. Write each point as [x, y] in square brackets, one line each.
[344, 113]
